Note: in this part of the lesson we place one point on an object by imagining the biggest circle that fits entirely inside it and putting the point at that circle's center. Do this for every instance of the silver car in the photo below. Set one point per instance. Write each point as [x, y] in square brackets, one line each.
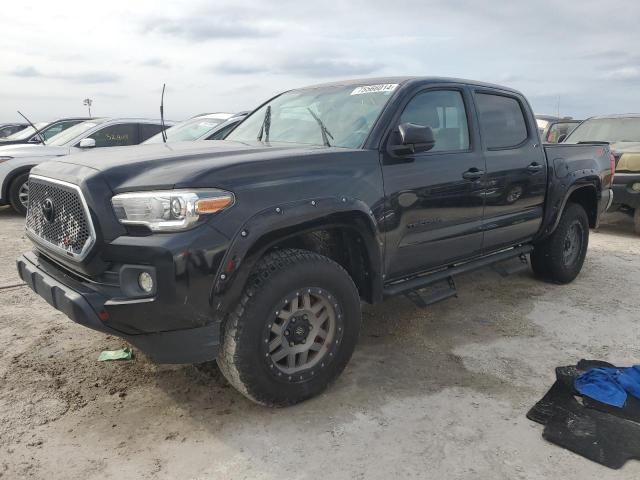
[17, 160]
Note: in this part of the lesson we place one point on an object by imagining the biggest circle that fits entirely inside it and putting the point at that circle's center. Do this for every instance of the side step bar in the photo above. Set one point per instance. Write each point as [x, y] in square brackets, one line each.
[417, 283]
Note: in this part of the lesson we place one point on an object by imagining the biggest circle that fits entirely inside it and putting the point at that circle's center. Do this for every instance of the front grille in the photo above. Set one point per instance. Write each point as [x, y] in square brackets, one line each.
[58, 217]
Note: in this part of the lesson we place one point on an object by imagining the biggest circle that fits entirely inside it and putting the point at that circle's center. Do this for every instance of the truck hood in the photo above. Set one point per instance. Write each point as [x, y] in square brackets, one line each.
[627, 156]
[180, 164]
[25, 150]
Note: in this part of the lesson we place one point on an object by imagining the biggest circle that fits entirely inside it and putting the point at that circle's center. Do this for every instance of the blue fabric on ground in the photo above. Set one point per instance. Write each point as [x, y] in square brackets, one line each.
[629, 379]
[610, 385]
[601, 385]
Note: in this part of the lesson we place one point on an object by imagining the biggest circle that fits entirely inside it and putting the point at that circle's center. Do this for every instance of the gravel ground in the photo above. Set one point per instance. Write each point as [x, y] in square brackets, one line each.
[438, 393]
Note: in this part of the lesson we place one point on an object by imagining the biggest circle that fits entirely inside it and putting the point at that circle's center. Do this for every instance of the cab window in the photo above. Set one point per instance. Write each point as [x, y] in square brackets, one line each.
[444, 112]
[501, 121]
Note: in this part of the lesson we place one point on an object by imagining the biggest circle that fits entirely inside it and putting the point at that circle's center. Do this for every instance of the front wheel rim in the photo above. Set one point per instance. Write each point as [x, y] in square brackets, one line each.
[23, 194]
[303, 334]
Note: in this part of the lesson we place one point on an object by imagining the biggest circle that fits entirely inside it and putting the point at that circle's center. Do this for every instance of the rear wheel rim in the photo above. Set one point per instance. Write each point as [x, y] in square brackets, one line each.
[303, 334]
[572, 246]
[23, 194]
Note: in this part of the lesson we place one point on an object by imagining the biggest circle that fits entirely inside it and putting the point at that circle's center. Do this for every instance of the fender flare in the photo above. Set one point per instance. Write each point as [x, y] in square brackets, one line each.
[556, 213]
[273, 225]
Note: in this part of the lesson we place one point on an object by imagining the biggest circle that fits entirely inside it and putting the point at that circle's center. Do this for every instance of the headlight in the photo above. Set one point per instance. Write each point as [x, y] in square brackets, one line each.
[4, 159]
[169, 210]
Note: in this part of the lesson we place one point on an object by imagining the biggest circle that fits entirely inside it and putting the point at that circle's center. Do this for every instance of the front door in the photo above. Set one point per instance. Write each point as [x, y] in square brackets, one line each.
[434, 199]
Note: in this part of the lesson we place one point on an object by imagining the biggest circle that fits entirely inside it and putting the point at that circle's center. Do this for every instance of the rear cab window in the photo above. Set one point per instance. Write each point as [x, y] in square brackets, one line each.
[502, 121]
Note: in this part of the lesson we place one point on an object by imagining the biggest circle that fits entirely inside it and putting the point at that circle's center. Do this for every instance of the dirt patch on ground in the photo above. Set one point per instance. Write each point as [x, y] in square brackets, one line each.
[440, 392]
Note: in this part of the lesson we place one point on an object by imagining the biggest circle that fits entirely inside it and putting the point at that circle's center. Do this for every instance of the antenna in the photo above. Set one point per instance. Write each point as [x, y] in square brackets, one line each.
[164, 134]
[38, 132]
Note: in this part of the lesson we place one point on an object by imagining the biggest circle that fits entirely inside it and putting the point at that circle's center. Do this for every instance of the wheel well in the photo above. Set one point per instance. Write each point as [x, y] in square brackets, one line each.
[587, 198]
[11, 178]
[344, 246]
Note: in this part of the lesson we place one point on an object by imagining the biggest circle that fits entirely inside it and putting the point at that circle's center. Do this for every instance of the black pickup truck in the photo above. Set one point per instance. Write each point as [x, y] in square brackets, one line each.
[257, 250]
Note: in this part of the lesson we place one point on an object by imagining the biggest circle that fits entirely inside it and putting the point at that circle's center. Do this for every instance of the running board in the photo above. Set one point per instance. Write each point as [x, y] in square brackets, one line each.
[509, 267]
[423, 300]
[416, 283]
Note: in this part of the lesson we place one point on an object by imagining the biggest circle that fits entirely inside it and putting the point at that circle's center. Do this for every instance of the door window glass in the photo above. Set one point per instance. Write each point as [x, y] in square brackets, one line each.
[501, 120]
[444, 112]
[116, 135]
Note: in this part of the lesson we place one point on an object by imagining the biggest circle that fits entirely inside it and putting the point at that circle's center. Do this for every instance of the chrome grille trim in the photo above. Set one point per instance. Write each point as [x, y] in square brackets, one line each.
[49, 245]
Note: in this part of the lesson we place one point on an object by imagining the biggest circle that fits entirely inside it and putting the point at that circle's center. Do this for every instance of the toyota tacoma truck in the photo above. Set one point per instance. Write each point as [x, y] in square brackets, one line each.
[257, 251]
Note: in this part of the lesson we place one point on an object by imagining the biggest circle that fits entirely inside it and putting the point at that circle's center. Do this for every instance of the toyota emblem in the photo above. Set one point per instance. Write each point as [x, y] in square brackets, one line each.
[48, 210]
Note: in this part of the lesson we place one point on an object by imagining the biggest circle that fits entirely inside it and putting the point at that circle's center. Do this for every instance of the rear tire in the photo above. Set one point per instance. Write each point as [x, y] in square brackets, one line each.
[295, 301]
[559, 258]
[636, 221]
[19, 193]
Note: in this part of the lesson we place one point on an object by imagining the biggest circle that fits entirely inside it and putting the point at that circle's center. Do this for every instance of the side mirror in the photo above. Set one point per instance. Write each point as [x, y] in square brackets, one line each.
[87, 143]
[413, 139]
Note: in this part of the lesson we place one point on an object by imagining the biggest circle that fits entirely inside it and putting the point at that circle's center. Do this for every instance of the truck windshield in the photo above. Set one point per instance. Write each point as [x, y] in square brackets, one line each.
[624, 129]
[340, 116]
[188, 130]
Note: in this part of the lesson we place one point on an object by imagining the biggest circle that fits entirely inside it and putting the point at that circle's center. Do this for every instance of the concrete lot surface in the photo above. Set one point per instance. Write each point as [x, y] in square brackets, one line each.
[438, 393]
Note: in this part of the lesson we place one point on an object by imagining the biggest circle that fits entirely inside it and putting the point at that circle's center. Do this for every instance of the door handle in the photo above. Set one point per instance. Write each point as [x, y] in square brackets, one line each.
[473, 174]
[535, 167]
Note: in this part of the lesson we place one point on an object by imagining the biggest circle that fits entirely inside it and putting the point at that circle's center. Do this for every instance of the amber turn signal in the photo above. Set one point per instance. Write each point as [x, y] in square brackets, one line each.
[213, 205]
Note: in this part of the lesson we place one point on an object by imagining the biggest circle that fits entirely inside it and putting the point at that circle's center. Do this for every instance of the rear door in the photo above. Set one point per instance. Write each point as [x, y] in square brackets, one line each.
[516, 169]
[434, 200]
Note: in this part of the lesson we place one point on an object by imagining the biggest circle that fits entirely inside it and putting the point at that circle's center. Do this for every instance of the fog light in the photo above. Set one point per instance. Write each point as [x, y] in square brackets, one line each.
[636, 187]
[145, 280]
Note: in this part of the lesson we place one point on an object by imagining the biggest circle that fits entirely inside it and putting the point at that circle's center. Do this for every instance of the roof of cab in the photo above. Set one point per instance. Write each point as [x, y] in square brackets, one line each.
[408, 79]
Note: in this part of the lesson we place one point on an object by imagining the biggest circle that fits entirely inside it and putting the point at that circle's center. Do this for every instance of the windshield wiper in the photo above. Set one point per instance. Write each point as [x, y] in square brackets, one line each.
[323, 129]
[38, 132]
[266, 125]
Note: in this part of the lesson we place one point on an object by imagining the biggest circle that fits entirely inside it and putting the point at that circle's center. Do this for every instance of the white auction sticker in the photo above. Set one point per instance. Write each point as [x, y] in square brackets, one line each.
[385, 87]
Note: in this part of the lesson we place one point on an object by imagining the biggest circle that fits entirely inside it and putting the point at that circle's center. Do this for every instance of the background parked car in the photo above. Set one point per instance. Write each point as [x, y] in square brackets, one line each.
[556, 131]
[7, 129]
[201, 127]
[17, 160]
[622, 132]
[45, 129]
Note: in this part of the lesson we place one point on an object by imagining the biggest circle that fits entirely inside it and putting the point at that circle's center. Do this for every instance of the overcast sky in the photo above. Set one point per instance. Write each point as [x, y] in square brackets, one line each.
[229, 56]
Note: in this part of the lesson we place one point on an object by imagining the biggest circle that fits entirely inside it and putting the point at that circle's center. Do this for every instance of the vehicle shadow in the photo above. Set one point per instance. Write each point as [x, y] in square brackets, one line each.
[8, 212]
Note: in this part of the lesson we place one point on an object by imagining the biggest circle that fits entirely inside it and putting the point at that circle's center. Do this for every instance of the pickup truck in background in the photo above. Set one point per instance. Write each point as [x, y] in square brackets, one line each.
[257, 250]
[622, 134]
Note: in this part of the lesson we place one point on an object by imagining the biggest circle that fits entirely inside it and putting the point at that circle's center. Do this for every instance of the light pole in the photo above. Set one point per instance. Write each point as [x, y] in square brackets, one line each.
[87, 102]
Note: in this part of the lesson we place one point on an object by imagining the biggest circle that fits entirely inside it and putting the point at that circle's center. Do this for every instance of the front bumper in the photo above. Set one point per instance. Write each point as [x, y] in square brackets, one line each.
[622, 192]
[91, 308]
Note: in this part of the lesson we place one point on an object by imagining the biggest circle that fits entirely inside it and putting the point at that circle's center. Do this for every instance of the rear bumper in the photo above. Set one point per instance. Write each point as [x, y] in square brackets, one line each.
[622, 193]
[90, 308]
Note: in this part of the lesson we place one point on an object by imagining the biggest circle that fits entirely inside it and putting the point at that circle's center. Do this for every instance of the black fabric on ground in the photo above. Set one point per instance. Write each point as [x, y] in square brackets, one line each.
[607, 435]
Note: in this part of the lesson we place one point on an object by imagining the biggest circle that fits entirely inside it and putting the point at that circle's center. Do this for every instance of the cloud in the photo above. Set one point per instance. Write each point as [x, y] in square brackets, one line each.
[81, 77]
[90, 77]
[154, 62]
[625, 74]
[210, 25]
[302, 66]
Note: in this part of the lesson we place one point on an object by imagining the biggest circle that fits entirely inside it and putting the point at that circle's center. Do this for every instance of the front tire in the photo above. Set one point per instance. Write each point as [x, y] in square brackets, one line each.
[559, 258]
[293, 331]
[19, 193]
[636, 221]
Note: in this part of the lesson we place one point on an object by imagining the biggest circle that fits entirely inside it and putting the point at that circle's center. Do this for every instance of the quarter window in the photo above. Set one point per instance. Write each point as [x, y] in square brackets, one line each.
[444, 112]
[148, 130]
[501, 120]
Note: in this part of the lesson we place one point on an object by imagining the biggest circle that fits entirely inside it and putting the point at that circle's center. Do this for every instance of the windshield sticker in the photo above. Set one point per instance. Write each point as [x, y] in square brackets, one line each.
[385, 87]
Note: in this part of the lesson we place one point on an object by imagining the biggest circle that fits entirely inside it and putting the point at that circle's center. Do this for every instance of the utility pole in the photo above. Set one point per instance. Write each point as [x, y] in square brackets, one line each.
[88, 102]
